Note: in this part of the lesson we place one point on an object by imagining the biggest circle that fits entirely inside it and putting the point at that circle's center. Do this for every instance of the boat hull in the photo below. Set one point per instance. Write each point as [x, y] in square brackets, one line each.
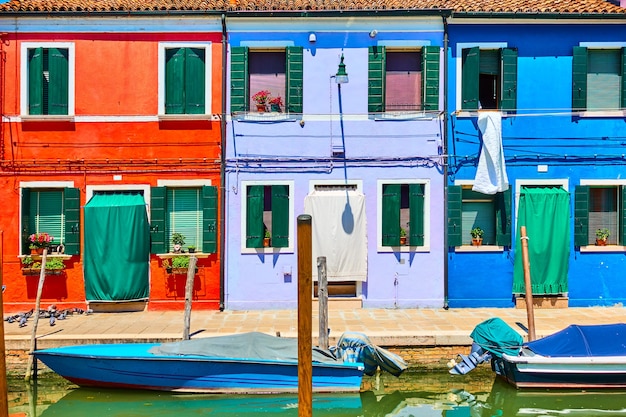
[132, 366]
[545, 372]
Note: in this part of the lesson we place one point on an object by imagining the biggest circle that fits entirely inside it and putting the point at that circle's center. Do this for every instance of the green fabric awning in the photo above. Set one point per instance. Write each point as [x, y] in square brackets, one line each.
[117, 248]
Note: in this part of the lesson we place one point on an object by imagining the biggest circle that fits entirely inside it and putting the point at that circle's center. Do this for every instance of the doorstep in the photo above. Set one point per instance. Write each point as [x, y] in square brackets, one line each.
[342, 303]
[543, 302]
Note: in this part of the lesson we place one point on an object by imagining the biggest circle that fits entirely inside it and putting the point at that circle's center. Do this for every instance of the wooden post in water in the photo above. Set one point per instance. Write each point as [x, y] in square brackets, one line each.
[191, 275]
[305, 311]
[4, 402]
[322, 299]
[33, 333]
[527, 285]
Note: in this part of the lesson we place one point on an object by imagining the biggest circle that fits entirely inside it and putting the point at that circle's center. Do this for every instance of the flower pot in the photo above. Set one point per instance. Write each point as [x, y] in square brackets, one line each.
[477, 241]
[402, 240]
[192, 250]
[275, 108]
[266, 242]
[600, 242]
[261, 108]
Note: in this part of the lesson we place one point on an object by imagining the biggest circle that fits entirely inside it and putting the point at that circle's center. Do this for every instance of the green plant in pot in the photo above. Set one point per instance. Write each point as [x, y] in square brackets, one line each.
[167, 265]
[267, 236]
[178, 240]
[602, 235]
[55, 264]
[191, 248]
[477, 236]
[402, 236]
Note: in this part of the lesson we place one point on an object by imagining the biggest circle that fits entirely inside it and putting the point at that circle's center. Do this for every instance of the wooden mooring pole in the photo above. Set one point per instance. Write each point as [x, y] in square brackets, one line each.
[305, 311]
[322, 299]
[527, 285]
[30, 367]
[191, 276]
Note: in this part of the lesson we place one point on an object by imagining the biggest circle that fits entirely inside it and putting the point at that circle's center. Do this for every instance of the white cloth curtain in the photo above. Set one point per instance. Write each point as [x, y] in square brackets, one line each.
[491, 175]
[339, 233]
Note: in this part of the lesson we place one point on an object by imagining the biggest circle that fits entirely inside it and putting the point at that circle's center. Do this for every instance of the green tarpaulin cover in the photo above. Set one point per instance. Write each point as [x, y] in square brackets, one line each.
[546, 214]
[117, 248]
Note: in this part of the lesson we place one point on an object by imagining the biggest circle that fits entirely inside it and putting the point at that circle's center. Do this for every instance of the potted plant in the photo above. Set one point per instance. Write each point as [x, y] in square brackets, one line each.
[477, 236]
[167, 265]
[191, 248]
[38, 242]
[178, 240]
[267, 238]
[180, 264]
[261, 99]
[276, 104]
[602, 235]
[402, 236]
[27, 266]
[55, 266]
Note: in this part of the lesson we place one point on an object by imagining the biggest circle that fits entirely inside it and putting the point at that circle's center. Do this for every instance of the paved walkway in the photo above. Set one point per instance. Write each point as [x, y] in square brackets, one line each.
[385, 327]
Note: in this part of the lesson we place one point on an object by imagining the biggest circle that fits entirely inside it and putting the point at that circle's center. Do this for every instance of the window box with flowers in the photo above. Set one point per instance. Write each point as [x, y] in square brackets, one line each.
[38, 242]
[261, 98]
[54, 266]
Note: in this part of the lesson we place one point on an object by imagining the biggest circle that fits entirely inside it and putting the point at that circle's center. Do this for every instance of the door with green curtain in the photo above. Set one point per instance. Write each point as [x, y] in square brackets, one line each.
[117, 248]
[545, 211]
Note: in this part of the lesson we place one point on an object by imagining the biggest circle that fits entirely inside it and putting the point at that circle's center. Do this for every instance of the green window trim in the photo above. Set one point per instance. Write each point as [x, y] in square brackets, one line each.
[390, 216]
[580, 68]
[255, 228]
[416, 214]
[49, 97]
[185, 80]
[240, 82]
[581, 214]
[470, 76]
[430, 78]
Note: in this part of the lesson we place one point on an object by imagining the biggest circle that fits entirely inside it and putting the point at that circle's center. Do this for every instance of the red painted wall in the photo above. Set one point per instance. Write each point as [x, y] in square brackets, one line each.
[116, 75]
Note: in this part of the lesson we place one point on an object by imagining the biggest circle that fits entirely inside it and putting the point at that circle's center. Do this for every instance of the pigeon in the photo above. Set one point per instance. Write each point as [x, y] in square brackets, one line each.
[52, 320]
[23, 322]
[62, 315]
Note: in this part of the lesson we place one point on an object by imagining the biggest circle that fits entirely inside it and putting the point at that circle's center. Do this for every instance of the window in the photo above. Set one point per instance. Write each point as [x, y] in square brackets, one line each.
[191, 211]
[48, 71]
[279, 72]
[185, 79]
[403, 80]
[489, 79]
[598, 79]
[403, 213]
[267, 214]
[54, 211]
[599, 207]
[468, 209]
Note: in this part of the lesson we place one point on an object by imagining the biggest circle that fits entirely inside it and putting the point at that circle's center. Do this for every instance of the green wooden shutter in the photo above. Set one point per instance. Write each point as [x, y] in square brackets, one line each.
[581, 215]
[58, 86]
[158, 243]
[376, 80]
[470, 79]
[25, 220]
[35, 81]
[455, 214]
[295, 77]
[209, 219]
[509, 79]
[416, 214]
[391, 214]
[579, 78]
[430, 78]
[195, 77]
[239, 88]
[71, 214]
[503, 218]
[254, 216]
[175, 81]
[623, 74]
[623, 219]
[280, 216]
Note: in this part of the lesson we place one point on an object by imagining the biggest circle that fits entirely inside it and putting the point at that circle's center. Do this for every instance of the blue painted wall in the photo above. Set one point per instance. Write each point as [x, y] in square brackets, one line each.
[542, 131]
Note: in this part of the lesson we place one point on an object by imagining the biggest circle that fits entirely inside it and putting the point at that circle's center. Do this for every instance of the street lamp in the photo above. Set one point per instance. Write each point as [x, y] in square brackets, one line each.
[342, 76]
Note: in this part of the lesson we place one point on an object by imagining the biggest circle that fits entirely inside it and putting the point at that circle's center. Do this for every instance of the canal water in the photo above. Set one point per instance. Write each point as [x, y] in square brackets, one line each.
[419, 393]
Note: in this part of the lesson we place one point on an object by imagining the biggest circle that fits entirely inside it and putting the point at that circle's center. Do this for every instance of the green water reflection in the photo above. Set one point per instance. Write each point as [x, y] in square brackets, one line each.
[421, 393]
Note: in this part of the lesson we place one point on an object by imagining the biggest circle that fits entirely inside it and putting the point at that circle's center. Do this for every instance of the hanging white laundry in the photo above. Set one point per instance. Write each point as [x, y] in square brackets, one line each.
[491, 175]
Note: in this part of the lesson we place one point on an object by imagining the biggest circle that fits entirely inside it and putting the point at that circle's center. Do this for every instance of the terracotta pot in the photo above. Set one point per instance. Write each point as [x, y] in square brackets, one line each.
[600, 242]
[261, 108]
[266, 242]
[402, 240]
[477, 241]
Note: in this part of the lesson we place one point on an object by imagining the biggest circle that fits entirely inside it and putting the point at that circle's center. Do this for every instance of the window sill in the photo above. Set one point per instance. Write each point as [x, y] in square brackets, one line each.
[198, 255]
[266, 117]
[602, 113]
[608, 248]
[405, 115]
[270, 250]
[47, 118]
[404, 249]
[482, 248]
[475, 113]
[187, 117]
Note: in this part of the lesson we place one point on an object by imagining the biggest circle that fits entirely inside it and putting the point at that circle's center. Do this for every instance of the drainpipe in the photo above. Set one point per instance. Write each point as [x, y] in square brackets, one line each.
[445, 162]
[222, 213]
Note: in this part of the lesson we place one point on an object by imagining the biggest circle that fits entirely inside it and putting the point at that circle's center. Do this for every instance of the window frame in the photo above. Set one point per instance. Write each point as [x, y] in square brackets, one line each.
[25, 47]
[244, 211]
[162, 83]
[425, 247]
[579, 205]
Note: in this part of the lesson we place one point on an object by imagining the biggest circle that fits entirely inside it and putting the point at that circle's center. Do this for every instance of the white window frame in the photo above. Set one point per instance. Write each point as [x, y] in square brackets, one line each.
[163, 46]
[244, 210]
[379, 215]
[71, 87]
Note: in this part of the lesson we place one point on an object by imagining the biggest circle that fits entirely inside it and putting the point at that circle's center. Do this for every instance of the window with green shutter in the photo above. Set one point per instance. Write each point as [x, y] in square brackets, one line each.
[48, 81]
[489, 78]
[267, 216]
[599, 207]
[267, 80]
[469, 209]
[185, 80]
[402, 217]
[54, 211]
[403, 80]
[598, 78]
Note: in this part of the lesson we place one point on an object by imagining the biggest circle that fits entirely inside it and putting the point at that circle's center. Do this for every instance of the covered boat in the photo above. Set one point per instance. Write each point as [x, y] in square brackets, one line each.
[579, 356]
[242, 363]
